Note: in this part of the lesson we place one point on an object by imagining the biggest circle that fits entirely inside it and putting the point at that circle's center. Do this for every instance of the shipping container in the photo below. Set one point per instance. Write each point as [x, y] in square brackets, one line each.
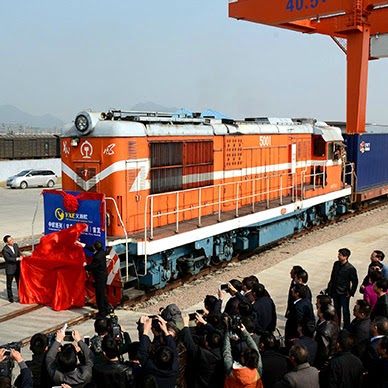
[369, 153]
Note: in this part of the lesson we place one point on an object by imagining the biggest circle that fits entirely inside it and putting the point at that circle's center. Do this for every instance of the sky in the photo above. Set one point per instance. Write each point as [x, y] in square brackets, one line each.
[63, 56]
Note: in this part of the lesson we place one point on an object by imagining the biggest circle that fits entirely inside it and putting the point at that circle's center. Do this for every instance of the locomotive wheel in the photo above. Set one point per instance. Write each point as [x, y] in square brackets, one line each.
[215, 260]
[23, 185]
[50, 183]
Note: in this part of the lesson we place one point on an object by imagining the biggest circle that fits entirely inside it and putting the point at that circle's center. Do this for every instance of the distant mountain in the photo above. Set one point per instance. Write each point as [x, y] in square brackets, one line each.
[152, 107]
[11, 115]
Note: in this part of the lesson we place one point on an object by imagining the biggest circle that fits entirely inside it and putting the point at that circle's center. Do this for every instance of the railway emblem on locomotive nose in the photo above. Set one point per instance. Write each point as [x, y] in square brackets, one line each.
[86, 150]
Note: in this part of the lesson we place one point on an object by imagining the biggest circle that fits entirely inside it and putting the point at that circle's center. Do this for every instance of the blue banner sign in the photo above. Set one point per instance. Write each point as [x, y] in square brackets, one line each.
[59, 213]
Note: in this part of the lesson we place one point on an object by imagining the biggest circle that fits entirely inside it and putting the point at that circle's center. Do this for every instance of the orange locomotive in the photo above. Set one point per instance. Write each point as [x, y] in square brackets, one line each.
[185, 192]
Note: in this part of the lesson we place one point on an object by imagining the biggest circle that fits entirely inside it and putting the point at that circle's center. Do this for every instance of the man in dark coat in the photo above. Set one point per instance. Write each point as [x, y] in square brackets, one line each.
[275, 365]
[163, 363]
[345, 369]
[360, 327]
[381, 307]
[378, 329]
[264, 310]
[113, 373]
[290, 301]
[301, 311]
[205, 364]
[342, 285]
[306, 332]
[100, 275]
[326, 335]
[12, 257]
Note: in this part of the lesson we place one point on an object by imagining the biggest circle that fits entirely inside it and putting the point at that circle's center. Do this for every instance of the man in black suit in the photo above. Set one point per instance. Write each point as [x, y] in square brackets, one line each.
[301, 311]
[380, 287]
[100, 275]
[275, 365]
[378, 329]
[12, 257]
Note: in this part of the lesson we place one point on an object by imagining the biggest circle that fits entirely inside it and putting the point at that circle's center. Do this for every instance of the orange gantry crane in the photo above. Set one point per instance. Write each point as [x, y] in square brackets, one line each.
[357, 26]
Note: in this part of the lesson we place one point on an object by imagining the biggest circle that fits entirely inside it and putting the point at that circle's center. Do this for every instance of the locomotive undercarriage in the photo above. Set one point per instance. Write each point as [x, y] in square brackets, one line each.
[189, 259]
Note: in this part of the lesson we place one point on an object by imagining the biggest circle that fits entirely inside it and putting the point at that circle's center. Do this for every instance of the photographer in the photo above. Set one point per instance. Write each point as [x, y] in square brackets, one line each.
[119, 334]
[113, 373]
[205, 362]
[248, 370]
[62, 365]
[6, 366]
[101, 329]
[38, 347]
[164, 363]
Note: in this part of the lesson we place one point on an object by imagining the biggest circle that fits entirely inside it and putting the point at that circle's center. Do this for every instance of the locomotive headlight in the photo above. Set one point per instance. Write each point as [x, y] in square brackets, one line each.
[86, 121]
[81, 123]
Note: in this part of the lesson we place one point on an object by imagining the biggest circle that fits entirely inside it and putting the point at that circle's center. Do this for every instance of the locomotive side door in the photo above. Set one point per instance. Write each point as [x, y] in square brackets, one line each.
[135, 178]
[87, 176]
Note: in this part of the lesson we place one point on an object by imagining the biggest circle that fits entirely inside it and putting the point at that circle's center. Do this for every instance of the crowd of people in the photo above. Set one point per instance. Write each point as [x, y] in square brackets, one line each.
[232, 344]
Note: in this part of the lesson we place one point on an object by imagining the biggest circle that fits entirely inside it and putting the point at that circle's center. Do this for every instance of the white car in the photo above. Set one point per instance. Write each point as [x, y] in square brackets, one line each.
[32, 178]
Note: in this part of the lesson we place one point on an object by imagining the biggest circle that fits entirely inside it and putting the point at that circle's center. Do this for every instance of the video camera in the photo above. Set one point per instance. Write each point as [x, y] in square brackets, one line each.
[114, 329]
[235, 324]
[6, 365]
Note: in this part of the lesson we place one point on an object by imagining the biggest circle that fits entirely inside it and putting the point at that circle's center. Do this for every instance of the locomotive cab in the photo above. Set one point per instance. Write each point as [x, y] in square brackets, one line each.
[326, 169]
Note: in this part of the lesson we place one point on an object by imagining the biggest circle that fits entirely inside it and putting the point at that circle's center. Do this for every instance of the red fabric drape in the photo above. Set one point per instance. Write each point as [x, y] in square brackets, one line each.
[54, 275]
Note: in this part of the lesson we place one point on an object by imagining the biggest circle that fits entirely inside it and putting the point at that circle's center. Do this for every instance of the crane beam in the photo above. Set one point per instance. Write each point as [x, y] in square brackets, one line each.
[353, 20]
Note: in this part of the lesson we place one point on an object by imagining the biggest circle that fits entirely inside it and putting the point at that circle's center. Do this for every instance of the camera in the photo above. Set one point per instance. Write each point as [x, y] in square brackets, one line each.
[68, 336]
[50, 339]
[12, 345]
[114, 329]
[155, 323]
[6, 365]
[235, 323]
[192, 316]
[87, 340]
[224, 287]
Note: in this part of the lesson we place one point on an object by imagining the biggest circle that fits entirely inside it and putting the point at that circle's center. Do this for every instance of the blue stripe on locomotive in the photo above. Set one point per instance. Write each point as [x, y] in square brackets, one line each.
[369, 153]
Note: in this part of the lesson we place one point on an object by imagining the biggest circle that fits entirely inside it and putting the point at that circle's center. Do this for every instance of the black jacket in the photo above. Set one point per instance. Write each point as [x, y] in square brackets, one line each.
[207, 365]
[345, 370]
[300, 312]
[264, 315]
[113, 374]
[343, 279]
[275, 366]
[381, 308]
[164, 378]
[98, 265]
[360, 329]
[326, 337]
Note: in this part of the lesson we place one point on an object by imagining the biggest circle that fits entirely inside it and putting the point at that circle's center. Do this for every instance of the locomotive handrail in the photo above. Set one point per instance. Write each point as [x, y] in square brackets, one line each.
[126, 239]
[353, 177]
[218, 200]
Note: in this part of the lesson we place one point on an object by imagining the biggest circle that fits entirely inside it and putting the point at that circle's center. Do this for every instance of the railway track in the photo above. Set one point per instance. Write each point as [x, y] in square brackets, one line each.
[24, 312]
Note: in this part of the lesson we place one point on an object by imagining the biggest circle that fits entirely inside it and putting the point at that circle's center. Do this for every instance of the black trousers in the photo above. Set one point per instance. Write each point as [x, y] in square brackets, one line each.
[10, 277]
[101, 298]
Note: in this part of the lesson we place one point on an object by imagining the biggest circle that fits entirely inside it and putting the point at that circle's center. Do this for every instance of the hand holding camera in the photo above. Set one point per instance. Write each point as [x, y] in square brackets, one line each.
[16, 355]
